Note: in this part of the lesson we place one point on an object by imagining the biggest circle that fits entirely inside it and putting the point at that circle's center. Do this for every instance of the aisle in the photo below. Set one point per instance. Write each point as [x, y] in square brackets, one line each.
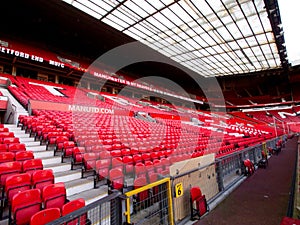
[263, 198]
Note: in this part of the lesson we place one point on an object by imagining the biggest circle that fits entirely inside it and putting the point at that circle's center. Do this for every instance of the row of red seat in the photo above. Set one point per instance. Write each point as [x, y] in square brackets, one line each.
[15, 156]
[46, 216]
[17, 167]
[15, 182]
[39, 207]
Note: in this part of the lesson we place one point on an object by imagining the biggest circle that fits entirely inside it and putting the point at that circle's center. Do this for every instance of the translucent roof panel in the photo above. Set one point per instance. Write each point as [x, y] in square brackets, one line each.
[210, 37]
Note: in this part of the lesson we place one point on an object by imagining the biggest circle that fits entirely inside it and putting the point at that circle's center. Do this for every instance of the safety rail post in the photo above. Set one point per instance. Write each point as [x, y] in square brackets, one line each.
[220, 175]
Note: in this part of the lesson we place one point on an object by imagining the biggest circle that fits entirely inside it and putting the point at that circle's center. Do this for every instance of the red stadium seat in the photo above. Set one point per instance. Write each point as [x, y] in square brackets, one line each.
[77, 156]
[10, 140]
[140, 170]
[45, 216]
[249, 167]
[51, 138]
[73, 206]
[102, 168]
[4, 135]
[24, 205]
[116, 179]
[146, 157]
[68, 147]
[128, 165]
[289, 221]
[155, 190]
[16, 183]
[104, 154]
[116, 153]
[42, 178]
[9, 168]
[149, 168]
[137, 158]
[16, 147]
[117, 163]
[54, 195]
[142, 199]
[3, 147]
[7, 157]
[59, 143]
[89, 162]
[198, 203]
[24, 155]
[125, 152]
[31, 165]
[4, 129]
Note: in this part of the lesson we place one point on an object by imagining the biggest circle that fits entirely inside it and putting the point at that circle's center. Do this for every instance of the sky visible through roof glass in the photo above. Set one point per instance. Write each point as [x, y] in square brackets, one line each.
[290, 17]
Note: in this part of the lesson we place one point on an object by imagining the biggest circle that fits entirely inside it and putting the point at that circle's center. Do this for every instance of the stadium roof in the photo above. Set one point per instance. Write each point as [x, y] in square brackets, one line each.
[210, 37]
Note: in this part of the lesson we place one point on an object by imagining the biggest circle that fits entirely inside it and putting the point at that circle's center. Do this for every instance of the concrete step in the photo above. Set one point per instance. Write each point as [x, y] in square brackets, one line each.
[16, 130]
[35, 146]
[58, 167]
[79, 185]
[91, 195]
[51, 160]
[21, 135]
[27, 139]
[66, 176]
[43, 154]
[10, 125]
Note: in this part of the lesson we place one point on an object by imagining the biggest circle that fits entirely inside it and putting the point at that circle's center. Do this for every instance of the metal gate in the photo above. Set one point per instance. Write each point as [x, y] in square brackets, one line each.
[150, 204]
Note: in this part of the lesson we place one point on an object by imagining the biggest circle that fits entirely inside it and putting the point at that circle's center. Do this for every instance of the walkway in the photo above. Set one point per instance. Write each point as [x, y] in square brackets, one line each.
[261, 199]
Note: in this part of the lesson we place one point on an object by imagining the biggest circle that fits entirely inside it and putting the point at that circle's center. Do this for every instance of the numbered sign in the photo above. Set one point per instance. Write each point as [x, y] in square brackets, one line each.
[178, 190]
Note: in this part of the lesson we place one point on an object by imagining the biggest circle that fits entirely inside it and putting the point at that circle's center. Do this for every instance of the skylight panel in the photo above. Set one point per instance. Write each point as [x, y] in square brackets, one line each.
[183, 35]
[255, 25]
[91, 5]
[157, 22]
[144, 29]
[261, 38]
[173, 21]
[165, 20]
[156, 4]
[242, 43]
[244, 27]
[208, 39]
[117, 21]
[168, 51]
[179, 58]
[112, 24]
[202, 6]
[225, 34]
[133, 35]
[86, 9]
[135, 6]
[183, 16]
[106, 5]
[145, 6]
[125, 15]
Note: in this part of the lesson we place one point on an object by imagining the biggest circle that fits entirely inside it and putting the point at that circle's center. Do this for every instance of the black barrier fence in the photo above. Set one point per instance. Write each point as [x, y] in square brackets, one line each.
[230, 167]
[106, 211]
